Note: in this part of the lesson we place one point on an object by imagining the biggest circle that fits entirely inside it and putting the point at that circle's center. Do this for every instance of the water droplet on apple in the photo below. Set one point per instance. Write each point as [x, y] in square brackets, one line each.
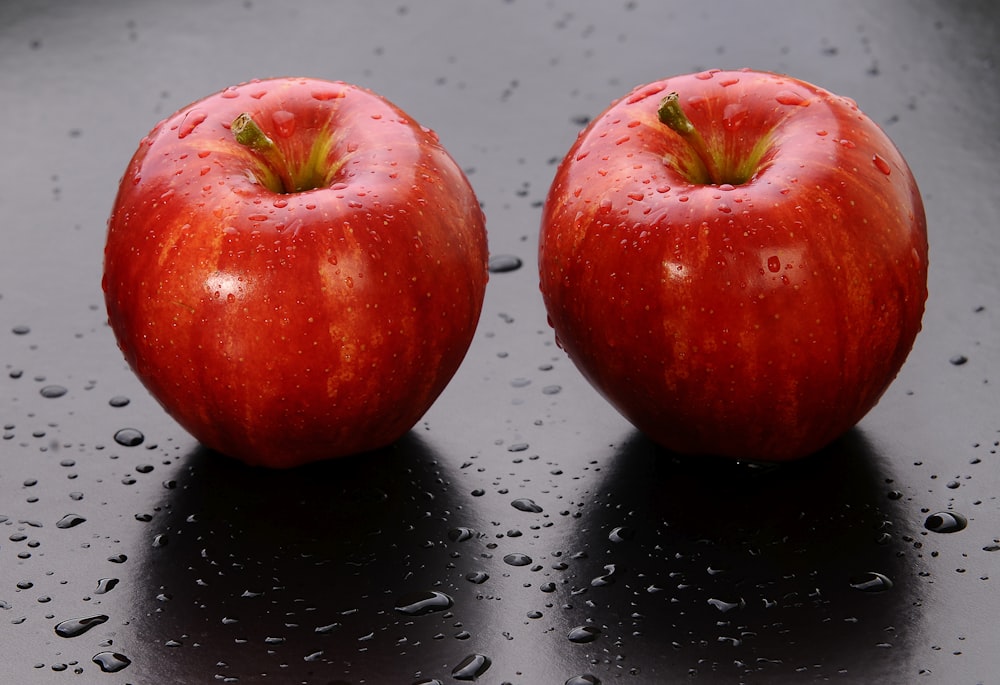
[111, 662]
[773, 264]
[881, 164]
[74, 627]
[958, 360]
[471, 667]
[504, 263]
[284, 122]
[53, 391]
[583, 634]
[327, 94]
[706, 75]
[119, 401]
[729, 81]
[70, 521]
[477, 577]
[190, 122]
[945, 522]
[425, 602]
[871, 582]
[789, 97]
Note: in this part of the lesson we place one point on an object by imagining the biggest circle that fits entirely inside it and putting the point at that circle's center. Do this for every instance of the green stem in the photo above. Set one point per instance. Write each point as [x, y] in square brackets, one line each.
[671, 114]
[249, 135]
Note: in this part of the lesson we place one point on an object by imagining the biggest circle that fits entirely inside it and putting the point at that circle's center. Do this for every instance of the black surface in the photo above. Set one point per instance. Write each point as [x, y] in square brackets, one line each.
[688, 570]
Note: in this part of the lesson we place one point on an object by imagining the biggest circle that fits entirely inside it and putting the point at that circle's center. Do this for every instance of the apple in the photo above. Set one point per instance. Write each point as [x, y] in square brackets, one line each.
[294, 269]
[737, 261]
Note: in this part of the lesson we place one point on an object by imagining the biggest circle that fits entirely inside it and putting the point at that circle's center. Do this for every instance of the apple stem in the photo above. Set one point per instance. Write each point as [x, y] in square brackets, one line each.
[671, 114]
[249, 134]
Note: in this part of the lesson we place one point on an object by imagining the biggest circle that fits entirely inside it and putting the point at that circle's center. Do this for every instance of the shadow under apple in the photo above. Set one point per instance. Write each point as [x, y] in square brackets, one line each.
[733, 572]
[295, 576]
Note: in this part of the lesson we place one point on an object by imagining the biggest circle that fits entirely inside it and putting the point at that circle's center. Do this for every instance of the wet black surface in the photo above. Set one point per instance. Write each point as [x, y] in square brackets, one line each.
[523, 531]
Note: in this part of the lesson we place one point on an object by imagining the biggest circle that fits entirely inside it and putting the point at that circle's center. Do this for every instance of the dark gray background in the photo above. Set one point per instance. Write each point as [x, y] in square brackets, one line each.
[691, 570]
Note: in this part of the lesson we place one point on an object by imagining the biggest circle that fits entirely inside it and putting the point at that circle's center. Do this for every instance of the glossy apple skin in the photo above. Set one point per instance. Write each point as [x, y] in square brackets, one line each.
[757, 320]
[282, 328]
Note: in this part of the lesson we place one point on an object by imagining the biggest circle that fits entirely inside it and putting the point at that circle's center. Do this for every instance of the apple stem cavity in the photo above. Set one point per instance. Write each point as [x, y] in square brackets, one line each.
[251, 136]
[671, 114]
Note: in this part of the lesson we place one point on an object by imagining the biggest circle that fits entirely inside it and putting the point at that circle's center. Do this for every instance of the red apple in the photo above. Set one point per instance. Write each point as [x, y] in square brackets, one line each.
[737, 261]
[294, 268]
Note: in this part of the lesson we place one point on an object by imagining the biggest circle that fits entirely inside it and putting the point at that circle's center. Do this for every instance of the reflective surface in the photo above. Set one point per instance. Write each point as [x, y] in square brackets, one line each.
[523, 532]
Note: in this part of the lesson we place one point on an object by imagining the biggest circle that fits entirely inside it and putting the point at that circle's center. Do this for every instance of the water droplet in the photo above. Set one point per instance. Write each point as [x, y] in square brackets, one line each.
[773, 264]
[526, 505]
[284, 122]
[621, 534]
[53, 391]
[517, 559]
[119, 401]
[105, 585]
[129, 437]
[75, 627]
[424, 602]
[583, 634]
[881, 164]
[725, 606]
[871, 582]
[585, 679]
[118, 559]
[607, 579]
[945, 522]
[461, 534]
[958, 360]
[70, 521]
[789, 97]
[20, 330]
[477, 577]
[428, 681]
[190, 122]
[111, 662]
[327, 94]
[504, 263]
[471, 667]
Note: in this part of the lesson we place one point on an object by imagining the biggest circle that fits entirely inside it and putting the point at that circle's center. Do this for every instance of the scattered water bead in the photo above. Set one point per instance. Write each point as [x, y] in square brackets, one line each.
[70, 521]
[424, 602]
[583, 634]
[53, 391]
[724, 606]
[504, 263]
[958, 360]
[75, 627]
[526, 505]
[20, 330]
[585, 679]
[471, 667]
[517, 559]
[111, 662]
[119, 401]
[461, 534]
[105, 585]
[129, 437]
[477, 577]
[621, 534]
[945, 522]
[871, 582]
